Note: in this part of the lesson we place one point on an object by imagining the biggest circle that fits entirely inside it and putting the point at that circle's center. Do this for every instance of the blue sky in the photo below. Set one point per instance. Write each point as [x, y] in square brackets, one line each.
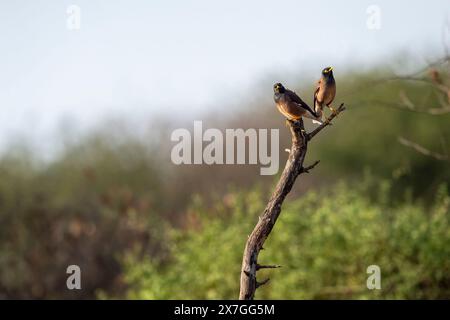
[145, 57]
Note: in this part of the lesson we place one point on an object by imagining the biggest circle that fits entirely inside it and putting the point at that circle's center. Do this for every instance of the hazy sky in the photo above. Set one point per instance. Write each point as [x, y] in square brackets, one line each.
[142, 56]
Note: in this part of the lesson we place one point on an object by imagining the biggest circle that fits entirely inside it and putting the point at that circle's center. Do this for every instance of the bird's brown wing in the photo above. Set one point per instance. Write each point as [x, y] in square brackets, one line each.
[290, 110]
[295, 98]
[315, 95]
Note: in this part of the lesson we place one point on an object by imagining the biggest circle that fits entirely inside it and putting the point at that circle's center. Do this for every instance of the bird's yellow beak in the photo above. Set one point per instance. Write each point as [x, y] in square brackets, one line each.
[330, 69]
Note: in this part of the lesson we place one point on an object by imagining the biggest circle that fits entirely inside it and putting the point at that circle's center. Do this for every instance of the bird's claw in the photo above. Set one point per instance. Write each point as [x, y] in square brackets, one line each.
[333, 110]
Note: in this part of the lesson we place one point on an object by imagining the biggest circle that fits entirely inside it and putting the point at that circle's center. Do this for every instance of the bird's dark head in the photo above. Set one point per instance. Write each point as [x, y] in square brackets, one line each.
[327, 72]
[278, 88]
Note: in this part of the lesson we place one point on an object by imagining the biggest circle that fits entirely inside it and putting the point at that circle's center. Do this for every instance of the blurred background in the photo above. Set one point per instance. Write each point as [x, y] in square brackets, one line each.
[90, 93]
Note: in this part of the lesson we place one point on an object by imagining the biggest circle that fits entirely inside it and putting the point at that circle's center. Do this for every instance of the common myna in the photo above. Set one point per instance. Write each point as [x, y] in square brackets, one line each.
[325, 92]
[290, 105]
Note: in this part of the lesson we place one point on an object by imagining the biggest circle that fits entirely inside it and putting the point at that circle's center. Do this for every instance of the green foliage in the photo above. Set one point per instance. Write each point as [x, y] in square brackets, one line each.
[114, 194]
[85, 209]
[324, 241]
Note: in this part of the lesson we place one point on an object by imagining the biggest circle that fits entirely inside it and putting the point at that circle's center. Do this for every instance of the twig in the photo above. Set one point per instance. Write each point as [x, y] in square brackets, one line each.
[437, 63]
[422, 150]
[406, 101]
[399, 106]
[434, 80]
[369, 85]
[259, 266]
[326, 122]
[259, 284]
[306, 169]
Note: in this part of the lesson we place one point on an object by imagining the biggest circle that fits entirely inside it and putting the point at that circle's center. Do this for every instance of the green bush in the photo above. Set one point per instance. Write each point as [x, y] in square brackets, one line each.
[86, 208]
[115, 193]
[324, 242]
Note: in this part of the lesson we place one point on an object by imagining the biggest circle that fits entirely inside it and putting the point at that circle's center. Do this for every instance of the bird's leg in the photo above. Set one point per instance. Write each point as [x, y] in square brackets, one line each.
[332, 109]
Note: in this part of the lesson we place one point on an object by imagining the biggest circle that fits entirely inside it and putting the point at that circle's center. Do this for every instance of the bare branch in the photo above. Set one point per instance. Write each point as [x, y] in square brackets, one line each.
[369, 85]
[433, 81]
[327, 122]
[433, 111]
[444, 103]
[417, 147]
[259, 266]
[259, 284]
[306, 169]
[293, 168]
[437, 63]
[437, 111]
[406, 101]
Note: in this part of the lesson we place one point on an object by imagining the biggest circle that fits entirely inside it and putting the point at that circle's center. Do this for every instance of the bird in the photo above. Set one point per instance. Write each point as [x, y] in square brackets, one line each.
[290, 104]
[325, 92]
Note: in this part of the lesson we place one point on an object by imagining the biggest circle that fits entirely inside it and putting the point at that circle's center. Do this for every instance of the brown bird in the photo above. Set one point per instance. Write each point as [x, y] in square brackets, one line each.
[325, 92]
[290, 105]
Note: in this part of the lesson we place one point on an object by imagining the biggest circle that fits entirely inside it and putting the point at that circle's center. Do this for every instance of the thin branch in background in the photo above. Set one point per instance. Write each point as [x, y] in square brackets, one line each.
[420, 149]
[437, 63]
[435, 80]
[444, 104]
[435, 111]
[402, 107]
[438, 111]
[406, 101]
[413, 77]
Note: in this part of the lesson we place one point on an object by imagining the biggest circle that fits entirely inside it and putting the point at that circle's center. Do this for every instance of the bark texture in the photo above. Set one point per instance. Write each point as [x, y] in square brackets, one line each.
[294, 167]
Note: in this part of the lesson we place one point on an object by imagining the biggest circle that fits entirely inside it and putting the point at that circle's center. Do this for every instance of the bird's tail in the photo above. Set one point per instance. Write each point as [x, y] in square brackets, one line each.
[319, 115]
[318, 108]
[315, 119]
[310, 110]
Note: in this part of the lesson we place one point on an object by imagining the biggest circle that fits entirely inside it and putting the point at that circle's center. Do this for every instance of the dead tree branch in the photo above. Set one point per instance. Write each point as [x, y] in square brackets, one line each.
[294, 167]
